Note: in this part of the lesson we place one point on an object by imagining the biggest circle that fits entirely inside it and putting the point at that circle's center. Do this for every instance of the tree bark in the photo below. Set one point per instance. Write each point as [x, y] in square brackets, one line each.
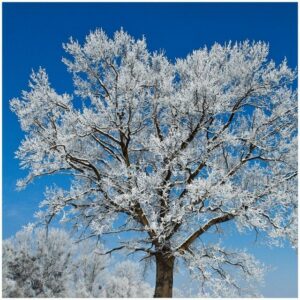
[164, 276]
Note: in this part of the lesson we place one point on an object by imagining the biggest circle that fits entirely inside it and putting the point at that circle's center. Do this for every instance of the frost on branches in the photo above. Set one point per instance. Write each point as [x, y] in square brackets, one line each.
[36, 265]
[174, 149]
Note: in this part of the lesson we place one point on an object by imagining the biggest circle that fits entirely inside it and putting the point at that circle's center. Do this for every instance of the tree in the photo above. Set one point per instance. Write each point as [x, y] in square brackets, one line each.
[126, 281]
[168, 151]
[37, 265]
[95, 276]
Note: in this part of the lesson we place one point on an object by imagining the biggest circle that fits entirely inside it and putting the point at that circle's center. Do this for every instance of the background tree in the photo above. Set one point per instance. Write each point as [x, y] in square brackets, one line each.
[126, 281]
[55, 266]
[167, 150]
[36, 267]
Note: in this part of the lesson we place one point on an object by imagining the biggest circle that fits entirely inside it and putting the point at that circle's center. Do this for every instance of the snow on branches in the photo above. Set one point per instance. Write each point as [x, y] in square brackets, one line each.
[177, 148]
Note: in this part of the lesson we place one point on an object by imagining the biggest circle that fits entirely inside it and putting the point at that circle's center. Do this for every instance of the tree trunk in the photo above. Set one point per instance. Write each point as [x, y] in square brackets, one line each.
[164, 276]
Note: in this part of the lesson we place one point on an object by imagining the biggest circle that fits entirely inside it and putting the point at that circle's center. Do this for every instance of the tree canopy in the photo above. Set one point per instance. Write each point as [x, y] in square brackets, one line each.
[167, 150]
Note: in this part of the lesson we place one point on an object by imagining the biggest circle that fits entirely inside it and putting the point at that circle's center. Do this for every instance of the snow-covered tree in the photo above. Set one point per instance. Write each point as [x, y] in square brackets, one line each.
[34, 266]
[88, 271]
[37, 265]
[126, 281]
[168, 151]
[96, 276]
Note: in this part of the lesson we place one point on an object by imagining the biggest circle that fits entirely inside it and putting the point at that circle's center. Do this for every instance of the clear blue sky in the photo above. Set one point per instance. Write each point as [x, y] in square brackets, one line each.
[33, 35]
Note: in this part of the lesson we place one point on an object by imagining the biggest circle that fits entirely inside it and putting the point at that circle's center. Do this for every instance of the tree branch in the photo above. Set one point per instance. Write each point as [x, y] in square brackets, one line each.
[203, 229]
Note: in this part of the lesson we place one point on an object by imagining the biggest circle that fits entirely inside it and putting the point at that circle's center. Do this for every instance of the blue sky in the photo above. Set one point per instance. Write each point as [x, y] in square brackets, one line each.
[33, 35]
